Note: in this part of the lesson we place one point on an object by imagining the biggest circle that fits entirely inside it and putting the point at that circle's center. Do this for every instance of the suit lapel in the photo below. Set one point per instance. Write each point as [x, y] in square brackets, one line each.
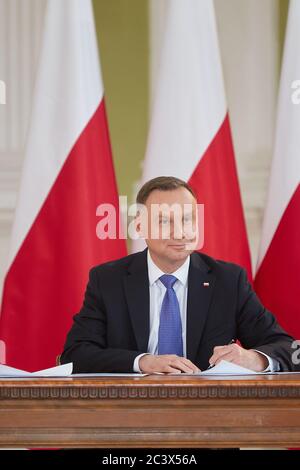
[136, 284]
[200, 287]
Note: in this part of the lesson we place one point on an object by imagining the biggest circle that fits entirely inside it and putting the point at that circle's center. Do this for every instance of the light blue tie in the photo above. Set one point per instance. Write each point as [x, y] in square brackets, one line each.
[170, 329]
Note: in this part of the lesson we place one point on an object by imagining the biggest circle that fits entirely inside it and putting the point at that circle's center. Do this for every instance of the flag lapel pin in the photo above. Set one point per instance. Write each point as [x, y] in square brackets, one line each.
[205, 284]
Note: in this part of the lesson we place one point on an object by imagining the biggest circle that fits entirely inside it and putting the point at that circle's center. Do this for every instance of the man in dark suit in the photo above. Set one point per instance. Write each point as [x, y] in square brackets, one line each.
[170, 309]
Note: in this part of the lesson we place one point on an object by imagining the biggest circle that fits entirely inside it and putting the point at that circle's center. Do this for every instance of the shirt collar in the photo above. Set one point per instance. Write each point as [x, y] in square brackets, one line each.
[154, 272]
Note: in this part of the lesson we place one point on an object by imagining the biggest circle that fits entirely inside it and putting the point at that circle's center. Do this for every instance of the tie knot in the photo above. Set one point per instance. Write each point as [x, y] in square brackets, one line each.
[168, 280]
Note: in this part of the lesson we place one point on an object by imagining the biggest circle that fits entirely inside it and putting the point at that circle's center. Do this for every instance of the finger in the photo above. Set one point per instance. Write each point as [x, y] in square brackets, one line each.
[216, 348]
[186, 361]
[215, 356]
[226, 347]
[235, 353]
[169, 367]
[190, 364]
[219, 351]
[179, 364]
[229, 357]
[171, 370]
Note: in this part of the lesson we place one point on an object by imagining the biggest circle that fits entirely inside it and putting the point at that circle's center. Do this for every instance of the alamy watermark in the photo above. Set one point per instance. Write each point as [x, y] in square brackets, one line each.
[183, 222]
[296, 354]
[295, 96]
[2, 92]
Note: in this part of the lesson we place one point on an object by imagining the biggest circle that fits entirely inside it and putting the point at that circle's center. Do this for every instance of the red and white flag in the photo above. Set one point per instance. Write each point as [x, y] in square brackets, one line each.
[190, 135]
[278, 277]
[68, 171]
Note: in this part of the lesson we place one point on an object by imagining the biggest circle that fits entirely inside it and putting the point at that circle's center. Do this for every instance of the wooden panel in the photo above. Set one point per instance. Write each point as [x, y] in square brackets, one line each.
[154, 411]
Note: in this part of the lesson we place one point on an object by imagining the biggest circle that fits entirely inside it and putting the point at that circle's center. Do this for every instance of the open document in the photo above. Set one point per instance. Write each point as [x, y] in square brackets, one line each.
[228, 368]
[64, 370]
[58, 371]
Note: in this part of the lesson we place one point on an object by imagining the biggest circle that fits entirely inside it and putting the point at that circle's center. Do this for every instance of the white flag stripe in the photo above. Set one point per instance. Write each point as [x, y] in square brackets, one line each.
[284, 177]
[58, 117]
[176, 133]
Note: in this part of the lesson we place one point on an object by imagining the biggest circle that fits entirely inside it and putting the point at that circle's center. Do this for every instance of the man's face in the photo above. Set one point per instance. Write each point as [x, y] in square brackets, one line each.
[172, 224]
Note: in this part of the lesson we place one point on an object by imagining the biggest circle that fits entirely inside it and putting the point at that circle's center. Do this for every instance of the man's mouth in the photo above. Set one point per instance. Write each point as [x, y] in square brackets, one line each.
[177, 245]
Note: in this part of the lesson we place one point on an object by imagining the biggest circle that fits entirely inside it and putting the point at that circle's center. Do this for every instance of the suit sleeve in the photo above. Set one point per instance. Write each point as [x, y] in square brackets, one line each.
[258, 329]
[86, 341]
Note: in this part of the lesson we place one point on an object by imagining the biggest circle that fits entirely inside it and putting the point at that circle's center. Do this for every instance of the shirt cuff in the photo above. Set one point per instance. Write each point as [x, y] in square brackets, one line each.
[273, 365]
[136, 367]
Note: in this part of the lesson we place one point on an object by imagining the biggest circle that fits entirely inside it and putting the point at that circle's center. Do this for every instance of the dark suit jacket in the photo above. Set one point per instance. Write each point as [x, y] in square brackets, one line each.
[112, 327]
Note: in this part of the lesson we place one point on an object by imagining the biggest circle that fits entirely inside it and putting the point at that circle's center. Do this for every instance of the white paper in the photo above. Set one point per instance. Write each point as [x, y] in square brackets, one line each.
[228, 368]
[58, 371]
[109, 374]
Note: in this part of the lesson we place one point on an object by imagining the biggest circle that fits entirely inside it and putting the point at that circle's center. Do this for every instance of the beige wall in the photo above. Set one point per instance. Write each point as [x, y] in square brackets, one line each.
[122, 28]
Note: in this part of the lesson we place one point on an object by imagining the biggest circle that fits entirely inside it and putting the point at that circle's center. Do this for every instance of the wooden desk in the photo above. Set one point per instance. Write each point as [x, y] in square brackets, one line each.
[154, 411]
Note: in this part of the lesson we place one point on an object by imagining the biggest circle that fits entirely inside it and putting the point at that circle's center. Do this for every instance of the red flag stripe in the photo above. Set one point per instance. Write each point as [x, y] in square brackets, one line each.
[215, 182]
[277, 280]
[45, 284]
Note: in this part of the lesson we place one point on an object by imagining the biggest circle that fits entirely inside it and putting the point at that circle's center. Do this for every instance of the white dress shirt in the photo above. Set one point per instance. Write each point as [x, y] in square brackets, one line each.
[157, 292]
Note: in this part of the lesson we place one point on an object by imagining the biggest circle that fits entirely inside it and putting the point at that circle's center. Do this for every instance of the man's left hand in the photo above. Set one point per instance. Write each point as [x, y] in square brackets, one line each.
[242, 357]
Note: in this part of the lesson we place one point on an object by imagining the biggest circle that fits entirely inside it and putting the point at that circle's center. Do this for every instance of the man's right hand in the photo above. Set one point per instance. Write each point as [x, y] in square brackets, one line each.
[166, 364]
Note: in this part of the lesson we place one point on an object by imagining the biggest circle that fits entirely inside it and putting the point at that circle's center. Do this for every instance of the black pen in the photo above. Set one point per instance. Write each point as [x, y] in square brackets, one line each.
[213, 365]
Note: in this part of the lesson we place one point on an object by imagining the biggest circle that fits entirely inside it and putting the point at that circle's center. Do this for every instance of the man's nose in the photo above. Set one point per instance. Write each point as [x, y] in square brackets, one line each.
[178, 232]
